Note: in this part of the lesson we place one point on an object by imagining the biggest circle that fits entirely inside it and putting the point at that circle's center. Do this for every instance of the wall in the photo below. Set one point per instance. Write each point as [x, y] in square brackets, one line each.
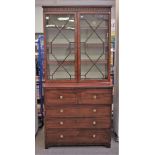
[38, 19]
[116, 73]
[73, 2]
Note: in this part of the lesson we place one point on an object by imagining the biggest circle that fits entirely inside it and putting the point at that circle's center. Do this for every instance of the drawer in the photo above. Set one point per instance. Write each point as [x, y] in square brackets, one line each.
[60, 97]
[52, 123]
[78, 111]
[95, 96]
[78, 137]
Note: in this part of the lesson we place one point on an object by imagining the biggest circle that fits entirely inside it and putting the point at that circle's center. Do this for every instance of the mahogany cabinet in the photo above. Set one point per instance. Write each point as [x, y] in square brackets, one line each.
[78, 88]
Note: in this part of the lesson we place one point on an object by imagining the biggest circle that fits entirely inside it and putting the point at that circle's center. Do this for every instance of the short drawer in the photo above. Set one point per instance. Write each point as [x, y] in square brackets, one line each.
[78, 111]
[60, 97]
[78, 137]
[52, 123]
[95, 96]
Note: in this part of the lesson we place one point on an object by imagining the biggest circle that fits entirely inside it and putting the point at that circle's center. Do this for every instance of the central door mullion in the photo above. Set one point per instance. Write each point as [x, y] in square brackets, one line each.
[78, 48]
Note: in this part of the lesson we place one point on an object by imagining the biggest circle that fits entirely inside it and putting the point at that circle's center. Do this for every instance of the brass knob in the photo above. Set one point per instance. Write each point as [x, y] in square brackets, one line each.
[61, 110]
[94, 135]
[61, 136]
[94, 97]
[94, 110]
[61, 97]
[94, 122]
[61, 123]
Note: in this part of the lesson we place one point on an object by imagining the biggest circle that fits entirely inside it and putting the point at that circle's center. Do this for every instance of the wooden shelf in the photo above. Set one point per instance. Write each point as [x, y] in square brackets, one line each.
[60, 45]
[83, 61]
[98, 62]
[71, 45]
[73, 28]
[59, 62]
[88, 28]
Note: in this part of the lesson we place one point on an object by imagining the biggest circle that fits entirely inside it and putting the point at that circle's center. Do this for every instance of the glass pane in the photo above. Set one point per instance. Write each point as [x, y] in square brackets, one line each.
[60, 44]
[94, 46]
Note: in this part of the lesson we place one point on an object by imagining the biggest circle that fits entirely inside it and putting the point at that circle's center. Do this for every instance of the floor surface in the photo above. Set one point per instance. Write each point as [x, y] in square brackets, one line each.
[84, 150]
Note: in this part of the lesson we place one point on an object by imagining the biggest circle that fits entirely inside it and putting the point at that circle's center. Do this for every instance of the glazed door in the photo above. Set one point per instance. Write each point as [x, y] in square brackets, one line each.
[60, 46]
[94, 46]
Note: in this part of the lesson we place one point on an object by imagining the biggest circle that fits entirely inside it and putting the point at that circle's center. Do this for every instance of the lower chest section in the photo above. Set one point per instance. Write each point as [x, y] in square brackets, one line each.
[78, 117]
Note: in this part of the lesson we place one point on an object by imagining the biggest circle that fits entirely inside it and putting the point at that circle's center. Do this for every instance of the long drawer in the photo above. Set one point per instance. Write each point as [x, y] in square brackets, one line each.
[77, 137]
[52, 123]
[60, 97]
[95, 96]
[78, 111]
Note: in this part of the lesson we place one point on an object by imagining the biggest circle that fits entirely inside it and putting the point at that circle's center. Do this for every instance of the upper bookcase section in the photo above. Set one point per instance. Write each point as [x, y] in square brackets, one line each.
[77, 44]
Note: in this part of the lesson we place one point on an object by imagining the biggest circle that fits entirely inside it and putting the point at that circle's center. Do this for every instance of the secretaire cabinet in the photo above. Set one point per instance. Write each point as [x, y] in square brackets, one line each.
[78, 88]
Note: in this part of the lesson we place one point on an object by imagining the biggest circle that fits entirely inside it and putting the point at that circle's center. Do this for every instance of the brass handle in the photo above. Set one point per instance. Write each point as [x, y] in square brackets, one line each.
[94, 135]
[94, 110]
[94, 97]
[61, 110]
[61, 97]
[61, 123]
[61, 136]
[94, 122]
